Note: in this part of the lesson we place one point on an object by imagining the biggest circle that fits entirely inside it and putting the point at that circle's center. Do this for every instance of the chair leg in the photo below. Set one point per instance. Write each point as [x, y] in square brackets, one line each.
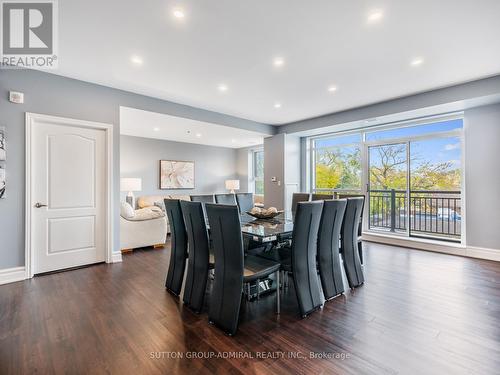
[258, 289]
[248, 291]
[278, 307]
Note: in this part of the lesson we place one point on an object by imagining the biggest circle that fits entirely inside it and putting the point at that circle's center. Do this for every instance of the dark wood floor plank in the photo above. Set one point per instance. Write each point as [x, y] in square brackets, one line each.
[418, 313]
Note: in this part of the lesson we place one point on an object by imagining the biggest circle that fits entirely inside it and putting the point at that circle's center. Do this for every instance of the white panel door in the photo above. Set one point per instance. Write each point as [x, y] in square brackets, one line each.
[68, 195]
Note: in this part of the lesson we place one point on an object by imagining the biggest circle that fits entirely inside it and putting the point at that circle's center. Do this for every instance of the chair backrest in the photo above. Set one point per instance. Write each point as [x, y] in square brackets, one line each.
[349, 237]
[352, 218]
[328, 247]
[321, 197]
[304, 240]
[299, 197]
[227, 242]
[245, 201]
[347, 196]
[229, 199]
[204, 198]
[198, 245]
[178, 245]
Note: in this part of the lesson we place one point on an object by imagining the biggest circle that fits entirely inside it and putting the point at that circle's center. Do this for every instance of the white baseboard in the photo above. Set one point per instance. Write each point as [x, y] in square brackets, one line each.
[11, 275]
[433, 245]
[116, 257]
[482, 253]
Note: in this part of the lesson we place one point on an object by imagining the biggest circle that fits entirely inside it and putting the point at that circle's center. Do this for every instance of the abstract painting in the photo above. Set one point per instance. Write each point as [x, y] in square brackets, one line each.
[3, 157]
[176, 174]
[2, 182]
[2, 144]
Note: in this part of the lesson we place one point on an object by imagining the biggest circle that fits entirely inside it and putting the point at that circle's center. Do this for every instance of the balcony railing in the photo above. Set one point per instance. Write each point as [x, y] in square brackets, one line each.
[434, 214]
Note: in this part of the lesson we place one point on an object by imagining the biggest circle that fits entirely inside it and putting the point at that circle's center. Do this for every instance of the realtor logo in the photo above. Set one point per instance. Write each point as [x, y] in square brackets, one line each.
[29, 34]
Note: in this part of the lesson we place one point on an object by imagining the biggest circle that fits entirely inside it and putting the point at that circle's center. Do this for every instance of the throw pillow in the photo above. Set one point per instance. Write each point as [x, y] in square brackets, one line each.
[126, 210]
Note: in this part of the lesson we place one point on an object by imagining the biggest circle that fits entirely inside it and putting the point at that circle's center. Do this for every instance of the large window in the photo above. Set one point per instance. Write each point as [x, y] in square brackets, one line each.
[258, 171]
[411, 175]
[337, 163]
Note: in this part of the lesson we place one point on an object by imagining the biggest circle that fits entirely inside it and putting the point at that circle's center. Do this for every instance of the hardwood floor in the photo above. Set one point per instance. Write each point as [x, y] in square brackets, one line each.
[418, 313]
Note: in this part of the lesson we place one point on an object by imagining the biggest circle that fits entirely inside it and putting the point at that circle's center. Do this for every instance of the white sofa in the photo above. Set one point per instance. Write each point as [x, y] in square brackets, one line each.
[142, 227]
[149, 201]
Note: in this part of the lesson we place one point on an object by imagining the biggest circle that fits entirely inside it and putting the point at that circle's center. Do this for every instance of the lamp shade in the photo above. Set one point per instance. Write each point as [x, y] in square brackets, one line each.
[131, 184]
[232, 184]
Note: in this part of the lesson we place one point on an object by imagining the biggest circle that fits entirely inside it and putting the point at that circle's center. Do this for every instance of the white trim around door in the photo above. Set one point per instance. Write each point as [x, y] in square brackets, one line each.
[31, 119]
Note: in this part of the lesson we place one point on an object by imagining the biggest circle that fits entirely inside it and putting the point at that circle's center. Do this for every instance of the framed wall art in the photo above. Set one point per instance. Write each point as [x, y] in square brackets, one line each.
[176, 174]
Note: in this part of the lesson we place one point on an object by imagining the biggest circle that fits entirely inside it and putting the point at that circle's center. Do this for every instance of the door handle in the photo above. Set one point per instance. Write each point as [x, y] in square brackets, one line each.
[39, 205]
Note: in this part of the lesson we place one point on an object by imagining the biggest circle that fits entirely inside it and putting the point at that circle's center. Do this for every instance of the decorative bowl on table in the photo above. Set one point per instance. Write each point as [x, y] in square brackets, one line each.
[263, 213]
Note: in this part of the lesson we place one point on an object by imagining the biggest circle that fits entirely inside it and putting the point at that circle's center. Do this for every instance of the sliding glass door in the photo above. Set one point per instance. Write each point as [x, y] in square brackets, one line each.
[414, 184]
[388, 187]
[412, 173]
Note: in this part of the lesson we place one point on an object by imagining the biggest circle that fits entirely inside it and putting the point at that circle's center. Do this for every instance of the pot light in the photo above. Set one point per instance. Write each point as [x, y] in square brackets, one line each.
[417, 61]
[222, 87]
[279, 61]
[178, 13]
[332, 88]
[156, 129]
[198, 135]
[136, 60]
[375, 16]
[277, 105]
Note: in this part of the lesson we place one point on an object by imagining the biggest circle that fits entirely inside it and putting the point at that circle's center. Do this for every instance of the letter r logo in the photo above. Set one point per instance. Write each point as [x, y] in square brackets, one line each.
[27, 28]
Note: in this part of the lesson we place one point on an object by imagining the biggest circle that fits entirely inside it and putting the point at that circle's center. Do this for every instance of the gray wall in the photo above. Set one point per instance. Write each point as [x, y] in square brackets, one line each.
[139, 157]
[243, 168]
[482, 176]
[274, 167]
[59, 96]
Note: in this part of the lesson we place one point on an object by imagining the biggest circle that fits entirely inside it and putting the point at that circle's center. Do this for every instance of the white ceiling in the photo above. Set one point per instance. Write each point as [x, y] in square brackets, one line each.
[147, 124]
[323, 43]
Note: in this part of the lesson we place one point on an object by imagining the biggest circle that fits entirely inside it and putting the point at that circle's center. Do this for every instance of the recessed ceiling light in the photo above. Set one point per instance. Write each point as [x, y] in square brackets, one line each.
[332, 88]
[375, 16]
[136, 60]
[279, 61]
[417, 61]
[178, 13]
[156, 129]
[277, 105]
[222, 87]
[198, 135]
[233, 140]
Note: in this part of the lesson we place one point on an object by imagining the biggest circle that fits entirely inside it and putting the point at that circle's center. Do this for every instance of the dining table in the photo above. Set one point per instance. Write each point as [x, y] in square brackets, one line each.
[262, 237]
[266, 231]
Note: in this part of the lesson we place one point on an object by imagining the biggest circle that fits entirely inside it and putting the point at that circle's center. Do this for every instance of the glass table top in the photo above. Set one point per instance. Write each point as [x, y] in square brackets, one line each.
[280, 225]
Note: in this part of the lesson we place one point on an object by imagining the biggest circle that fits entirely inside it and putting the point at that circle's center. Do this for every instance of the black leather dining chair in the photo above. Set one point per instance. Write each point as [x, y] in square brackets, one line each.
[232, 269]
[349, 242]
[330, 269]
[198, 255]
[360, 226]
[225, 199]
[245, 201]
[204, 198]
[299, 197]
[300, 260]
[321, 197]
[178, 246]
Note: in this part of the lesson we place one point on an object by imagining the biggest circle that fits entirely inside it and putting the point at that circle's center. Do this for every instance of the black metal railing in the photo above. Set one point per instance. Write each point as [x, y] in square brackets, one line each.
[432, 213]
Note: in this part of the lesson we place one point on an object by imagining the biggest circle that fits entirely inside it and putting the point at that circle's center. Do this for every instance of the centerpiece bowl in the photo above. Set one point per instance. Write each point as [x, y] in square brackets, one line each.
[264, 214]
